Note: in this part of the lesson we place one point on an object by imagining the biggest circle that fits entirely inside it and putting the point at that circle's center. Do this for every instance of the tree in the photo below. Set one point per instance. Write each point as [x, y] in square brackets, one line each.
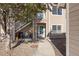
[22, 12]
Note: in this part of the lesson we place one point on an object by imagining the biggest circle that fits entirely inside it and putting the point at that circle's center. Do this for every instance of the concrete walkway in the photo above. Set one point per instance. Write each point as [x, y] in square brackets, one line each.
[40, 48]
[44, 49]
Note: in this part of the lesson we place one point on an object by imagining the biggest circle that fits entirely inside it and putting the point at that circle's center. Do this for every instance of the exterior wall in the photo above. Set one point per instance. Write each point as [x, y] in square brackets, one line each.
[51, 19]
[45, 20]
[74, 29]
[58, 20]
[47, 24]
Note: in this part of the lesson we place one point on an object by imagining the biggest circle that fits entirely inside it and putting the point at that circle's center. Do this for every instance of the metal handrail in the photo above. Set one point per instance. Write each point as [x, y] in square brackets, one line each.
[23, 26]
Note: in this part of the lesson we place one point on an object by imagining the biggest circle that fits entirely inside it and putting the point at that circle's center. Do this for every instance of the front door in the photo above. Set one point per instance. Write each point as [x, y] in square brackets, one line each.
[41, 31]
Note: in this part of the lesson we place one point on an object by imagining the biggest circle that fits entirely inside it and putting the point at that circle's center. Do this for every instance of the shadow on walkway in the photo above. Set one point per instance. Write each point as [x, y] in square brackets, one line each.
[23, 41]
[17, 44]
[60, 44]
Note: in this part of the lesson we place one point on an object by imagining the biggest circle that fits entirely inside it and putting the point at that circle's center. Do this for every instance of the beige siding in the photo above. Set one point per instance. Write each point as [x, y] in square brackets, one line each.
[58, 20]
[55, 20]
[51, 19]
[74, 29]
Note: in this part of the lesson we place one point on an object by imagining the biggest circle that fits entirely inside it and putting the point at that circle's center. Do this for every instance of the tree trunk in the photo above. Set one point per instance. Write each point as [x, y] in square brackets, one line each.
[4, 19]
[9, 27]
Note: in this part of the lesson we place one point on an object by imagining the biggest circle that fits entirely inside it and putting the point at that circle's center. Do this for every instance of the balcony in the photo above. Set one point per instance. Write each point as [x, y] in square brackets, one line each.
[40, 18]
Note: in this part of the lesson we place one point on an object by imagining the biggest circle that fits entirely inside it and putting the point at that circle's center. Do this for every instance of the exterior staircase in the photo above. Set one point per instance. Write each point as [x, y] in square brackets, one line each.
[20, 25]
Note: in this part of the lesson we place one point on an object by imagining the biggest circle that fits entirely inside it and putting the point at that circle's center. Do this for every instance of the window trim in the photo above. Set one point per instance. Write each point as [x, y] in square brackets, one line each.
[57, 10]
[57, 31]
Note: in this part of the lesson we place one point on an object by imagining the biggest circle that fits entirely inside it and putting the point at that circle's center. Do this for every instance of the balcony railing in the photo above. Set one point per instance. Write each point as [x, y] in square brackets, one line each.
[40, 15]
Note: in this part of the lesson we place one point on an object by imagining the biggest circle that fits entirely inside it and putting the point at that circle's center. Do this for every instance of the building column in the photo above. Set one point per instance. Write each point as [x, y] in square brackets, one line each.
[36, 32]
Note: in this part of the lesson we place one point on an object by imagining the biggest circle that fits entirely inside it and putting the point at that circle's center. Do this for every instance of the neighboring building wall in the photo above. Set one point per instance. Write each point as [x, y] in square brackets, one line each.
[58, 20]
[73, 29]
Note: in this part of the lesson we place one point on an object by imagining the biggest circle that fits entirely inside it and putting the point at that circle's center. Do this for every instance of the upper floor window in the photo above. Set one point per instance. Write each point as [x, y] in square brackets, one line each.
[57, 11]
[40, 15]
[56, 28]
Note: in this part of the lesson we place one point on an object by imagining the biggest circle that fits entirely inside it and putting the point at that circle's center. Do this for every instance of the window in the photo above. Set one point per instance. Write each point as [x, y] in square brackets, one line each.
[40, 15]
[41, 29]
[57, 11]
[59, 27]
[56, 28]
